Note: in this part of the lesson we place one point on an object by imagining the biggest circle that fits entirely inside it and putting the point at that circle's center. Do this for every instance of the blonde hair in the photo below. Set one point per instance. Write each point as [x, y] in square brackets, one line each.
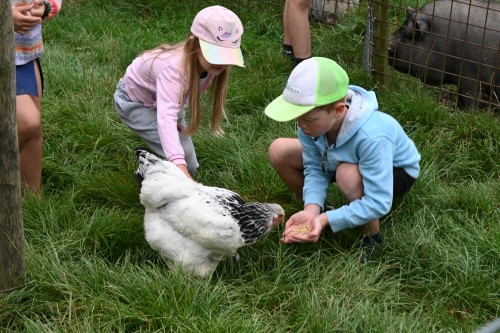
[192, 69]
[217, 90]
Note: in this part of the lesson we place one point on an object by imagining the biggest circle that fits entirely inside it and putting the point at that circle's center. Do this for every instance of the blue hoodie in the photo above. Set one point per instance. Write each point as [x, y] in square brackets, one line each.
[372, 139]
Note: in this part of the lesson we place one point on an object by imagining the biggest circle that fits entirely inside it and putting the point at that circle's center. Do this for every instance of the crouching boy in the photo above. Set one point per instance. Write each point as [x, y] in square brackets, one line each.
[342, 138]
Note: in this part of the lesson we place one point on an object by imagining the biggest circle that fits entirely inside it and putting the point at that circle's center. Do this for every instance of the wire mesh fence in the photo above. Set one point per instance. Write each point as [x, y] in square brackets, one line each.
[331, 11]
[453, 44]
[450, 44]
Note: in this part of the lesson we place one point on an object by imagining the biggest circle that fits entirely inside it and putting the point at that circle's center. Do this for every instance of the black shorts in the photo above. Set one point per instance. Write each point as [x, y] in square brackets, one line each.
[26, 79]
[402, 182]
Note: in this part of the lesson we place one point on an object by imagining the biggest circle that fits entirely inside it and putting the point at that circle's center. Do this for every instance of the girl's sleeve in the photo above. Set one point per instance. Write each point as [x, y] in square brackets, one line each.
[168, 97]
[55, 7]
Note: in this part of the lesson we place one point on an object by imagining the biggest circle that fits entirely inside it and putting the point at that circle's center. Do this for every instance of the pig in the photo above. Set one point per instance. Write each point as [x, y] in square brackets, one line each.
[452, 42]
[329, 11]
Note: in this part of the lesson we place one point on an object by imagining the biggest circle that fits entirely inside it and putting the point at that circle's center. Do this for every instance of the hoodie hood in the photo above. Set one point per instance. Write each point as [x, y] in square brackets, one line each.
[361, 104]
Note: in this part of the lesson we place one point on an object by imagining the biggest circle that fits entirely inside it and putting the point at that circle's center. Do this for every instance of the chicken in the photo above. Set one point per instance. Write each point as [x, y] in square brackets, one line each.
[193, 225]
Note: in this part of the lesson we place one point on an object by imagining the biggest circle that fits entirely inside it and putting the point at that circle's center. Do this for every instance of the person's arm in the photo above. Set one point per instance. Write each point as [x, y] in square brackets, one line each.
[376, 168]
[307, 225]
[168, 97]
[24, 21]
[45, 9]
[316, 182]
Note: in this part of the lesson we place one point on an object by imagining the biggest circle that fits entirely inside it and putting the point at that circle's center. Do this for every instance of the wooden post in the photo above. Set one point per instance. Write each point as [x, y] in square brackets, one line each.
[12, 274]
[380, 40]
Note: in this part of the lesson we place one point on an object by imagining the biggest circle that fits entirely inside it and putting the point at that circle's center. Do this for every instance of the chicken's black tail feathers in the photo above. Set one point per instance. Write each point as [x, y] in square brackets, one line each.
[146, 158]
[138, 174]
[139, 150]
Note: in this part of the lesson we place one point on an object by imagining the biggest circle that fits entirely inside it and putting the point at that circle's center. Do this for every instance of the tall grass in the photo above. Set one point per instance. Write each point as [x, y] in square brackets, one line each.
[89, 268]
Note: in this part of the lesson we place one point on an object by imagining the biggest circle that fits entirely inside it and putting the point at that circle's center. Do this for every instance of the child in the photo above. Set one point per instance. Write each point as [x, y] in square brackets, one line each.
[160, 84]
[28, 19]
[342, 138]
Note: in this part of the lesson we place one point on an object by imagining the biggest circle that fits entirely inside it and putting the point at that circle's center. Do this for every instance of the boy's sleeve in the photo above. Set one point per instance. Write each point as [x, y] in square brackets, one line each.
[376, 168]
[316, 182]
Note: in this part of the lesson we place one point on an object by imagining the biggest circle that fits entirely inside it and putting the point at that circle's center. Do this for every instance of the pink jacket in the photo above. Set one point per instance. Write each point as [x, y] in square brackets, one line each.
[156, 81]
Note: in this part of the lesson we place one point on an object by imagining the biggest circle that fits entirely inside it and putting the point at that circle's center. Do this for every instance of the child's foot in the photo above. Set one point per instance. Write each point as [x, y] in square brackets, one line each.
[371, 247]
[288, 51]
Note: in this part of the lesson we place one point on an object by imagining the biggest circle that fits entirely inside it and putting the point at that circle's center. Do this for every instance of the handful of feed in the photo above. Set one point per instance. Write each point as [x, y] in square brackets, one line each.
[302, 229]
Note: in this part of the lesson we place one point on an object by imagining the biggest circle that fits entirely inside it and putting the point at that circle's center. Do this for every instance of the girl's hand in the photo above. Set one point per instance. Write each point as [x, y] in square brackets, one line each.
[304, 227]
[23, 19]
[181, 128]
[184, 169]
[38, 8]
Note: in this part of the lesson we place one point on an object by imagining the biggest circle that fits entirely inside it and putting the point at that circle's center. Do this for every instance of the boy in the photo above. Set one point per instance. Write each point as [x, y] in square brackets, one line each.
[342, 138]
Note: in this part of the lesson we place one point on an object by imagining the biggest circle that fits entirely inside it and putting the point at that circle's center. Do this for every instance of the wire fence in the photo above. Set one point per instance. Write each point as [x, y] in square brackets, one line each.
[451, 44]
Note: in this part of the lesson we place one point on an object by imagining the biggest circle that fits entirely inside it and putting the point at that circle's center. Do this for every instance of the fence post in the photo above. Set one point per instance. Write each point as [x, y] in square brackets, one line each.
[11, 220]
[368, 43]
[380, 40]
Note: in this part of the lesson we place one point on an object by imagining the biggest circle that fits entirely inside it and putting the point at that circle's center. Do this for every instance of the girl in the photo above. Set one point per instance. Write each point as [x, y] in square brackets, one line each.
[160, 84]
[28, 19]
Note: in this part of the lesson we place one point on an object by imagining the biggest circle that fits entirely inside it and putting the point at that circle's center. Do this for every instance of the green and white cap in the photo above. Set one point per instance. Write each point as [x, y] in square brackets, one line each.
[314, 82]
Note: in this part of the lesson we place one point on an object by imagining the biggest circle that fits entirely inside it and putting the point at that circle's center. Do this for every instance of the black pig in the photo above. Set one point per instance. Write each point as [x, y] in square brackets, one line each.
[452, 42]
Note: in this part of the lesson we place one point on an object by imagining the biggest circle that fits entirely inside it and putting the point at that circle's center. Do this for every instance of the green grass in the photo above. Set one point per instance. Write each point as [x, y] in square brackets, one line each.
[89, 268]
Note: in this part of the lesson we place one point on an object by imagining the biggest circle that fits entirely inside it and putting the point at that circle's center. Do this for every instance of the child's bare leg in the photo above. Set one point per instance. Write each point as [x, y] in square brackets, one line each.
[297, 31]
[29, 131]
[285, 155]
[350, 182]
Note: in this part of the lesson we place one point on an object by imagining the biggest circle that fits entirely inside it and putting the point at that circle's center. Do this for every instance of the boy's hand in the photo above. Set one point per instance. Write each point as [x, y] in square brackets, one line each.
[304, 227]
[23, 18]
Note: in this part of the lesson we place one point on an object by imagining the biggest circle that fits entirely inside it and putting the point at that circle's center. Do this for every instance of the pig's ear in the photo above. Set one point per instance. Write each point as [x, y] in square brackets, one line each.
[409, 11]
[421, 28]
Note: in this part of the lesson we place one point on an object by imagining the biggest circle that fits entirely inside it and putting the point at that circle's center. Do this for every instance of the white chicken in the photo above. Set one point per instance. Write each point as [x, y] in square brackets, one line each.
[193, 225]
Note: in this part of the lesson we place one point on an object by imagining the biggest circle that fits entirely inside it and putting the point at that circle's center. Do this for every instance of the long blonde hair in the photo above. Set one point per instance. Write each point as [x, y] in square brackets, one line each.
[217, 91]
[192, 69]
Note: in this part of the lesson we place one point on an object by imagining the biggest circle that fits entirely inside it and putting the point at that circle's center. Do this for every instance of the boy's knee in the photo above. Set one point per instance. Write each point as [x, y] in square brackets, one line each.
[349, 179]
[275, 152]
[285, 152]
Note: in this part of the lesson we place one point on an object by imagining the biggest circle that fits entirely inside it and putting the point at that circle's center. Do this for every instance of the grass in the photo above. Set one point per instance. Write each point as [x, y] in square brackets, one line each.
[89, 268]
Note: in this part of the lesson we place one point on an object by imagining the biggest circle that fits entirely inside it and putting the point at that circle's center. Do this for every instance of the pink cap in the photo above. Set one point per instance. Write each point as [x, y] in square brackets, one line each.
[219, 31]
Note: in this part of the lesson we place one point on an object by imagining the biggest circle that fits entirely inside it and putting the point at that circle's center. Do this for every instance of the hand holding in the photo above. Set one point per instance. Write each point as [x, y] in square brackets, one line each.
[38, 8]
[305, 226]
[297, 228]
[23, 19]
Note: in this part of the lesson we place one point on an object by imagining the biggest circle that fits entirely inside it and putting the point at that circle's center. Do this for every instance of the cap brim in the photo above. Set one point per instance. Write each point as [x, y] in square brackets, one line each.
[281, 110]
[218, 55]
